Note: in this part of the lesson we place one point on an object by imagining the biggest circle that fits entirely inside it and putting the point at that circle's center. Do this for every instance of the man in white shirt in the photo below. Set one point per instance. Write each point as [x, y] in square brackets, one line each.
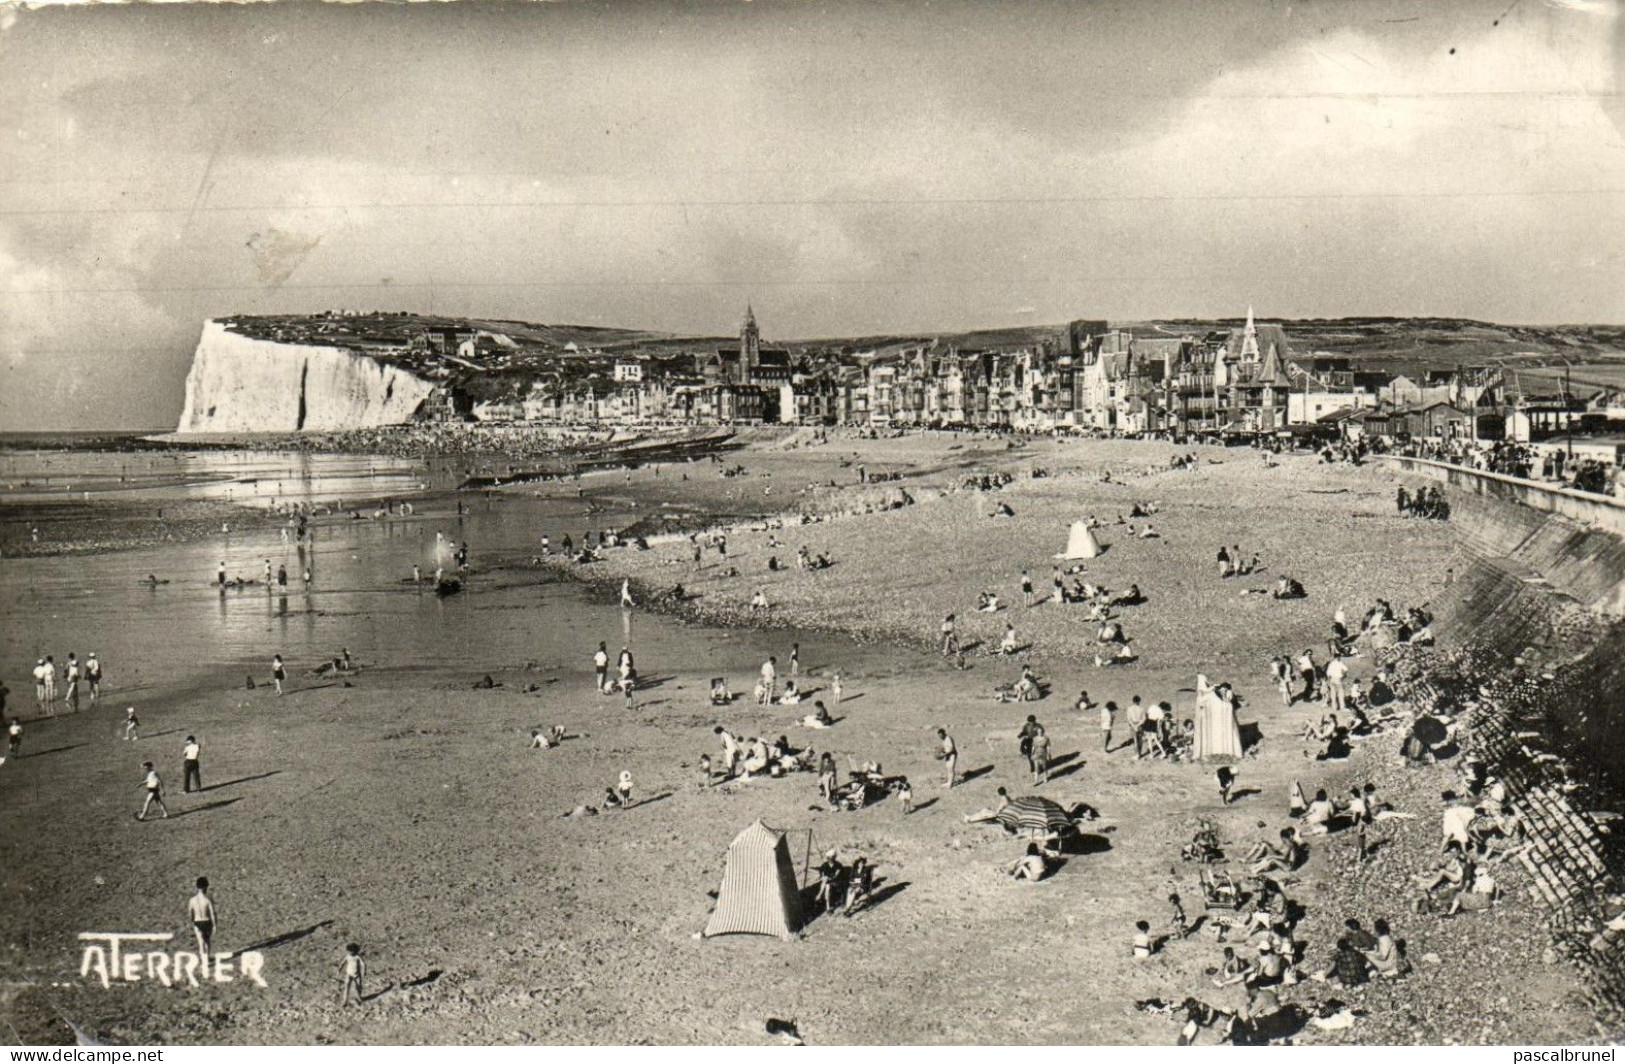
[1456, 824]
[189, 765]
[770, 681]
[39, 683]
[600, 666]
[1336, 673]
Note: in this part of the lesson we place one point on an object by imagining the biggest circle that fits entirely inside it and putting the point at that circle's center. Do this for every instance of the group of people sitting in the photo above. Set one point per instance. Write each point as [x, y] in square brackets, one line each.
[1231, 563]
[844, 888]
[865, 784]
[1248, 1009]
[1025, 689]
[1428, 502]
[748, 758]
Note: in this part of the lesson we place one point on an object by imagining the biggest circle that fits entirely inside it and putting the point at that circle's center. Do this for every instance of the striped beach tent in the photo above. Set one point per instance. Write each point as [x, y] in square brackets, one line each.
[759, 895]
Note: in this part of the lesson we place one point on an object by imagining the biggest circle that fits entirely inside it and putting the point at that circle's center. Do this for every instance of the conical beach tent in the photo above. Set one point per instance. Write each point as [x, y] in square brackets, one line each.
[1081, 543]
[759, 894]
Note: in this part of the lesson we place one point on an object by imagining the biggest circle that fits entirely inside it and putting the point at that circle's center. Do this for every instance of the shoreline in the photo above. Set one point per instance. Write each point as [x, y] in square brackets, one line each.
[894, 573]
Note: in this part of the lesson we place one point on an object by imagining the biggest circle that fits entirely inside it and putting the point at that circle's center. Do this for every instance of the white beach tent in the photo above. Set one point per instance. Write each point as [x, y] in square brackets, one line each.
[760, 894]
[1080, 543]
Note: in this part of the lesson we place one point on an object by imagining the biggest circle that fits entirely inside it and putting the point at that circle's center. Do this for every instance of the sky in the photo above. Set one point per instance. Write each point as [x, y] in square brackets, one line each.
[847, 168]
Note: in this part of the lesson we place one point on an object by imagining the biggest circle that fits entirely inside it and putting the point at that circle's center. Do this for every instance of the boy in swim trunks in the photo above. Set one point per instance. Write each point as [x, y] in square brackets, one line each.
[201, 909]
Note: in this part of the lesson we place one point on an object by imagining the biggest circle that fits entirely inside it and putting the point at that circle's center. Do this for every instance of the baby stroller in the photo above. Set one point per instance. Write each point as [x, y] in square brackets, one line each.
[1204, 847]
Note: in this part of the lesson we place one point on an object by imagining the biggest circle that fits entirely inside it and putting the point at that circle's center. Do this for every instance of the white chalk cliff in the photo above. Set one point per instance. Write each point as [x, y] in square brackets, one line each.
[241, 384]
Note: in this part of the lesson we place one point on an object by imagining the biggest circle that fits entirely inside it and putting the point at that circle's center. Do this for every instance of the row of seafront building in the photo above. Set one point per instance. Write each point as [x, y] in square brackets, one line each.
[1088, 377]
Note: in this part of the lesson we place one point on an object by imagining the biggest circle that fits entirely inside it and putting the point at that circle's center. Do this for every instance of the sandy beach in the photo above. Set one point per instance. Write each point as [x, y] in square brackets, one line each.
[399, 807]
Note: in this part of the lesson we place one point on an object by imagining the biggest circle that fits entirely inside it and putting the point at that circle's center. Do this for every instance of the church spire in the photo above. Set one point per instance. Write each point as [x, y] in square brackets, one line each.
[750, 346]
[1249, 338]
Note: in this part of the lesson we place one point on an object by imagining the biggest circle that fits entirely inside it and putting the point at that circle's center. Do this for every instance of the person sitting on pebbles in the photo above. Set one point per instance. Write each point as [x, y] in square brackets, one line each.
[1030, 866]
[1124, 655]
[791, 696]
[1480, 893]
[546, 738]
[820, 718]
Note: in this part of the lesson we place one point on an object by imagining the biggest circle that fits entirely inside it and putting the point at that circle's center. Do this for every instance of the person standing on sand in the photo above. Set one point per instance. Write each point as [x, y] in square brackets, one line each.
[949, 756]
[769, 682]
[795, 661]
[39, 685]
[1040, 757]
[14, 739]
[93, 676]
[355, 971]
[730, 751]
[600, 666]
[50, 684]
[835, 688]
[282, 576]
[155, 792]
[267, 572]
[278, 672]
[190, 773]
[220, 576]
[70, 675]
[1026, 588]
[1306, 672]
[1024, 739]
[626, 595]
[1108, 715]
[201, 909]
[1336, 673]
[1281, 669]
[1136, 723]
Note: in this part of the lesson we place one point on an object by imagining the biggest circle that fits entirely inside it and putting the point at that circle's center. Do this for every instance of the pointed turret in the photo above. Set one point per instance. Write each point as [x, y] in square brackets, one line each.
[1249, 338]
[750, 346]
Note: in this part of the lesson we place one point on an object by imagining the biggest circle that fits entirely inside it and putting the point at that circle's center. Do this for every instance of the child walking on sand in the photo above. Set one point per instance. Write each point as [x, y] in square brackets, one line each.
[1177, 923]
[201, 909]
[623, 788]
[278, 672]
[155, 792]
[905, 795]
[131, 723]
[355, 971]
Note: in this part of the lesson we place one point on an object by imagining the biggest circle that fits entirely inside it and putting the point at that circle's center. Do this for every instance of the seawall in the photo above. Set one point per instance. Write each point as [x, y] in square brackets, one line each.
[1572, 540]
[241, 384]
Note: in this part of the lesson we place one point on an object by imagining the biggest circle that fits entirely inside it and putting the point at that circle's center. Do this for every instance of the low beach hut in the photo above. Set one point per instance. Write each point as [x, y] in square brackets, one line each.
[759, 895]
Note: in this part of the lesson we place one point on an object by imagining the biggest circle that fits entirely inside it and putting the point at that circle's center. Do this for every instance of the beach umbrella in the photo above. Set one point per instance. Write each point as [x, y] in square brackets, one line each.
[1430, 730]
[1034, 814]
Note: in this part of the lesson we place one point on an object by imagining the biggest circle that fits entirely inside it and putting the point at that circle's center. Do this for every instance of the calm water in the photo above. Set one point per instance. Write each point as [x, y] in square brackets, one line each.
[153, 640]
[251, 478]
